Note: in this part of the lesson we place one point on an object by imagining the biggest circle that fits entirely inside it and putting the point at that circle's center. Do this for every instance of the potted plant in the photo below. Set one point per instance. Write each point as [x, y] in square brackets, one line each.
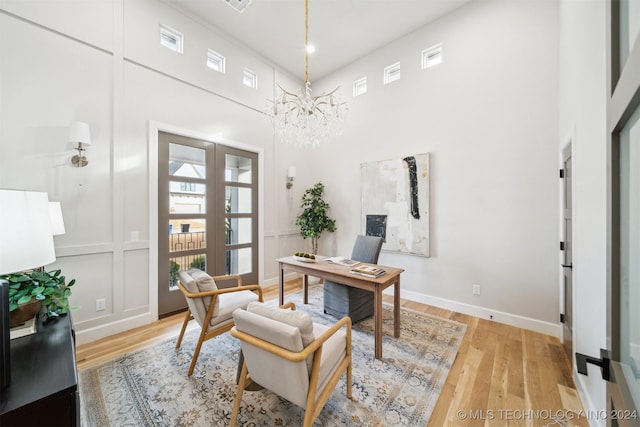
[314, 220]
[46, 287]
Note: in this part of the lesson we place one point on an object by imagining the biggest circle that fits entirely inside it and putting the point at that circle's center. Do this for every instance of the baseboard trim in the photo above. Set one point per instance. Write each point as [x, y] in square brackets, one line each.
[108, 329]
[485, 313]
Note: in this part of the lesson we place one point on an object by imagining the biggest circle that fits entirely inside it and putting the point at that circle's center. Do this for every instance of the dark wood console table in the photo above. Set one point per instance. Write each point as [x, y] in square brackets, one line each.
[44, 381]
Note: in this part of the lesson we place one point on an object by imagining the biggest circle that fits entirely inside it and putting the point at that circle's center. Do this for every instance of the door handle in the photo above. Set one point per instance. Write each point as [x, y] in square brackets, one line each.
[569, 266]
[603, 363]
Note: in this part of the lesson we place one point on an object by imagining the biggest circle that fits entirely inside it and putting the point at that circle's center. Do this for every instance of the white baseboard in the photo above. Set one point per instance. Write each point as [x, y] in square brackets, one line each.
[546, 328]
[587, 402]
[91, 334]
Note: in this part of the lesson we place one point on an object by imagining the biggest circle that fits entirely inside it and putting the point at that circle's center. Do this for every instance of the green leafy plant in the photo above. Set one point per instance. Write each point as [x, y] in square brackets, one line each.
[199, 263]
[314, 220]
[174, 267]
[48, 287]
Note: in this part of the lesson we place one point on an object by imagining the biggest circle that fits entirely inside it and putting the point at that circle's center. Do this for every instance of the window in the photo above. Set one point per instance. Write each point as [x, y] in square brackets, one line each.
[432, 56]
[171, 38]
[360, 86]
[215, 61]
[249, 78]
[392, 73]
[188, 186]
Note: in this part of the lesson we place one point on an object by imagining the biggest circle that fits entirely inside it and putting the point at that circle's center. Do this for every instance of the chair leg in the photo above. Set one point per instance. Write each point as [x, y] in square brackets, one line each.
[196, 352]
[239, 391]
[349, 380]
[187, 318]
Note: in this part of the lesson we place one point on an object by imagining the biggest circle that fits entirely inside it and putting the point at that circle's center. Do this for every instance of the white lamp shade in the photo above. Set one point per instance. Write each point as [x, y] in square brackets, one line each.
[291, 172]
[57, 223]
[79, 132]
[26, 241]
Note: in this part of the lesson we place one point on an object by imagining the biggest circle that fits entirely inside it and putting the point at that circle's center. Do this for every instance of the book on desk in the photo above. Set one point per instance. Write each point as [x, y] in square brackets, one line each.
[368, 271]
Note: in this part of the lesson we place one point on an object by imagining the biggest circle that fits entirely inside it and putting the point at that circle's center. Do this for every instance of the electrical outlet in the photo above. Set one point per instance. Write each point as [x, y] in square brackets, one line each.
[101, 304]
[135, 236]
[476, 289]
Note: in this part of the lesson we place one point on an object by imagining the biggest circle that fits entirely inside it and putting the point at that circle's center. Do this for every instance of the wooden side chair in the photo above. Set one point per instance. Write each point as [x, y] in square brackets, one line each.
[285, 352]
[212, 308]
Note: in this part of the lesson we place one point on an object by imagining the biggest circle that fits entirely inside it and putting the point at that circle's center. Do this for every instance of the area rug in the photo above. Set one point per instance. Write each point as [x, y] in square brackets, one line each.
[150, 387]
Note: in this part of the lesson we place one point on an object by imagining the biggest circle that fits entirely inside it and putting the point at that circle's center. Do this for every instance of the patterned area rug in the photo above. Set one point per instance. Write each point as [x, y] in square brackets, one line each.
[150, 387]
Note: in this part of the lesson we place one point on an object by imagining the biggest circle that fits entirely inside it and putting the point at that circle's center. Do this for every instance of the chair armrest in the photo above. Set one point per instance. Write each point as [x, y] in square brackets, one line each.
[213, 292]
[292, 355]
[226, 277]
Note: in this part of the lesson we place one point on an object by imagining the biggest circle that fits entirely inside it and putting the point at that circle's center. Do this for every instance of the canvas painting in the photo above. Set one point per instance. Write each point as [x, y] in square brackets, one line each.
[395, 203]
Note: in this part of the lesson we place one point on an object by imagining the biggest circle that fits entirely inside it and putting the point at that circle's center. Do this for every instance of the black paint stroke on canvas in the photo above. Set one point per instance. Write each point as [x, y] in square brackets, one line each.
[413, 185]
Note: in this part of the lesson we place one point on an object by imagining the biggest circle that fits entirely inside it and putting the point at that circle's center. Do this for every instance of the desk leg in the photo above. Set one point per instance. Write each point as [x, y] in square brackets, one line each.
[281, 285]
[377, 318]
[305, 285]
[396, 309]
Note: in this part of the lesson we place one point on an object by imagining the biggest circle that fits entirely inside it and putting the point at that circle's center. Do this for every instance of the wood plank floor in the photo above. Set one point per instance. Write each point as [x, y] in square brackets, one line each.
[502, 376]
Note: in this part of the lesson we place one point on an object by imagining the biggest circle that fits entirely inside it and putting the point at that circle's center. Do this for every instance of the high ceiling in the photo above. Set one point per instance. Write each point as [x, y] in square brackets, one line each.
[341, 30]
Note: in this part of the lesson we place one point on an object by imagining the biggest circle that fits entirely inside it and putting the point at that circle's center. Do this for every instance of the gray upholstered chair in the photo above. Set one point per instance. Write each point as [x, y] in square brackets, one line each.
[211, 307]
[285, 352]
[341, 300]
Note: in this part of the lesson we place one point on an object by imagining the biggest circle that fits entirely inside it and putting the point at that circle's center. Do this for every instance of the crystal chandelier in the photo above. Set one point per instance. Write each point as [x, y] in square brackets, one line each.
[302, 119]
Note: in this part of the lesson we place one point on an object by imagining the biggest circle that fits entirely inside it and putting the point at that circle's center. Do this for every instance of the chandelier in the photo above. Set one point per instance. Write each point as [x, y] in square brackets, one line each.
[301, 118]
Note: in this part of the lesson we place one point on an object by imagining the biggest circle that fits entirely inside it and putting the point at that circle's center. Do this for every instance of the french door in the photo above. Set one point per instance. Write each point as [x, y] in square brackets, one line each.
[623, 127]
[208, 211]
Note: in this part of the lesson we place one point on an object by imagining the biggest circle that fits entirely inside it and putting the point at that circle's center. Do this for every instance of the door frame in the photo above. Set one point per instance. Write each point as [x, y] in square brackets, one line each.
[152, 163]
[567, 145]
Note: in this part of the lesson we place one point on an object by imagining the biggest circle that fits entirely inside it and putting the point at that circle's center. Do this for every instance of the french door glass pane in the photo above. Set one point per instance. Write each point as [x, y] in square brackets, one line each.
[186, 161]
[237, 169]
[187, 234]
[238, 231]
[187, 197]
[629, 27]
[239, 261]
[630, 245]
[185, 262]
[238, 199]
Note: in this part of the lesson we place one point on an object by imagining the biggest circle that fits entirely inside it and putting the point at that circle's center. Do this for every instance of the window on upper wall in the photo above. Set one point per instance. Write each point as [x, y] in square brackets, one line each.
[171, 38]
[216, 61]
[249, 78]
[432, 56]
[392, 73]
[360, 86]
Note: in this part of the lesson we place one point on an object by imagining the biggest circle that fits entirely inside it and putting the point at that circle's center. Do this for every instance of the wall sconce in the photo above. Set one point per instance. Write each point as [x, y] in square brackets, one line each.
[79, 133]
[291, 175]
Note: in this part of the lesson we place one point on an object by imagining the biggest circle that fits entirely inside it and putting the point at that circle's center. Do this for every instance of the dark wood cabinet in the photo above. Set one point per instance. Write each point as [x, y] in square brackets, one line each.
[44, 380]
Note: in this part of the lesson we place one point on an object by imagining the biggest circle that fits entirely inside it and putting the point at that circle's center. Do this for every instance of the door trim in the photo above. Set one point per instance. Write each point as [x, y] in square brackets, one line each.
[152, 162]
[567, 143]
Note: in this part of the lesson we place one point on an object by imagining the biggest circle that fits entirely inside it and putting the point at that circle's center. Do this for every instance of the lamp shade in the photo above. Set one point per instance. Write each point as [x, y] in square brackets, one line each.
[79, 132]
[26, 240]
[57, 223]
[291, 172]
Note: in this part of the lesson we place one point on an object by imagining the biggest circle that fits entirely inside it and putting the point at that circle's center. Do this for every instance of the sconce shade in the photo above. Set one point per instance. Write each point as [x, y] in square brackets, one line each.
[27, 240]
[79, 132]
[57, 222]
[291, 172]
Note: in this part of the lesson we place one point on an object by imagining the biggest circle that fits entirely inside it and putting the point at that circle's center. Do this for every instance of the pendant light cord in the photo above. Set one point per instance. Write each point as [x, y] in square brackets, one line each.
[306, 41]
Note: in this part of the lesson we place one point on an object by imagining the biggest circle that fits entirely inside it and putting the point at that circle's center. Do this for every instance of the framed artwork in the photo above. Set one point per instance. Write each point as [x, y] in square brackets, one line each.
[395, 203]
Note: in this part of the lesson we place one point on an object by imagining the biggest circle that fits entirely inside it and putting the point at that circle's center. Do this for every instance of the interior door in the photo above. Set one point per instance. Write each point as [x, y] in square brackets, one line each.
[623, 125]
[567, 246]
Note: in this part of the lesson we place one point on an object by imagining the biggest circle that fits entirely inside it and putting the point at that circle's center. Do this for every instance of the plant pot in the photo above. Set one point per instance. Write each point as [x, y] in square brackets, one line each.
[24, 312]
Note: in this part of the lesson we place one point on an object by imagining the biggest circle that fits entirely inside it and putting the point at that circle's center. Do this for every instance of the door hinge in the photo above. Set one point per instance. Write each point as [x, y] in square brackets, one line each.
[561, 173]
[604, 362]
[562, 246]
[561, 318]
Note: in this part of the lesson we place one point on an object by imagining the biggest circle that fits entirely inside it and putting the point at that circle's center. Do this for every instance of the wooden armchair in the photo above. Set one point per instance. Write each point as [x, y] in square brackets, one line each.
[211, 307]
[285, 352]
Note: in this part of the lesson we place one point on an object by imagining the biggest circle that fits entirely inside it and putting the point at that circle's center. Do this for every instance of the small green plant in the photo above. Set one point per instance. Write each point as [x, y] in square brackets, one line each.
[48, 287]
[174, 267]
[314, 220]
[199, 263]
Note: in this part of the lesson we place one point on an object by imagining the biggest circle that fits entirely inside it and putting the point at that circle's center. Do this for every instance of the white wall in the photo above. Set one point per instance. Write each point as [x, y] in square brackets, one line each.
[489, 117]
[106, 67]
[583, 122]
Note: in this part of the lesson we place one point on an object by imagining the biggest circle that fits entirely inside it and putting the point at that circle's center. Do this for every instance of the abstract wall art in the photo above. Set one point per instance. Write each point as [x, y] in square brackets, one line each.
[395, 203]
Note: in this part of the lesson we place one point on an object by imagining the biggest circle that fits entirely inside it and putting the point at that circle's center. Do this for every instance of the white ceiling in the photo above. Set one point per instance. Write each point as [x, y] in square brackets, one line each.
[341, 30]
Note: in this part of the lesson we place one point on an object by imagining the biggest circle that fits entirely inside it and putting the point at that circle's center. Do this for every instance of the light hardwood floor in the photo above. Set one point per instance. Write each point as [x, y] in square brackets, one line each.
[502, 375]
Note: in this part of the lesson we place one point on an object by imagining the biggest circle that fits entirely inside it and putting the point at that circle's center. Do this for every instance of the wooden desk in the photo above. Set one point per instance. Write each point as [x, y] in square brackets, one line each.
[340, 274]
